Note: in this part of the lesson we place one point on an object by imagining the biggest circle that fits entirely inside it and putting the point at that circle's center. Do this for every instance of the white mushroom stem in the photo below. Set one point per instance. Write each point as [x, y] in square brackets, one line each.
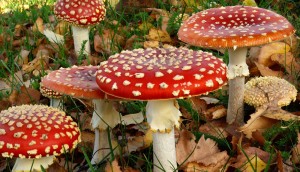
[81, 35]
[237, 70]
[57, 103]
[104, 116]
[162, 116]
[101, 146]
[23, 164]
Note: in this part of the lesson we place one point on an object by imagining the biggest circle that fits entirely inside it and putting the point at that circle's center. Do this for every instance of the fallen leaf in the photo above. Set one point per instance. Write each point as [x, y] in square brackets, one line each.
[38, 25]
[158, 35]
[215, 112]
[39, 63]
[109, 42]
[267, 50]
[215, 128]
[138, 143]
[113, 166]
[62, 28]
[55, 167]
[22, 58]
[296, 152]
[266, 71]
[255, 164]
[258, 159]
[196, 167]
[53, 37]
[151, 44]
[18, 30]
[257, 122]
[205, 151]
[249, 3]
[25, 96]
[132, 41]
[287, 61]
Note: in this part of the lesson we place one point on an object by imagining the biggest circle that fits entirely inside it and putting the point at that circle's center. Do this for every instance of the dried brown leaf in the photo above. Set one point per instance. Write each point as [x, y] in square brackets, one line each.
[287, 61]
[25, 96]
[130, 42]
[55, 167]
[279, 114]
[113, 166]
[215, 112]
[205, 151]
[267, 50]
[108, 42]
[257, 122]
[38, 25]
[40, 62]
[22, 58]
[215, 128]
[151, 44]
[266, 71]
[138, 143]
[158, 35]
[296, 152]
[193, 167]
[255, 154]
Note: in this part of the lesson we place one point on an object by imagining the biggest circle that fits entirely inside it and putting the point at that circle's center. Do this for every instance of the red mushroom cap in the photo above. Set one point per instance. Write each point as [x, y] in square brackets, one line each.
[153, 74]
[35, 131]
[77, 81]
[234, 26]
[80, 12]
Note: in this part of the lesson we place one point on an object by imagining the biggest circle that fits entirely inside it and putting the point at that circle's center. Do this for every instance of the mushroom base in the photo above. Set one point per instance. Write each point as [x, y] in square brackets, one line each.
[27, 165]
[164, 152]
[102, 148]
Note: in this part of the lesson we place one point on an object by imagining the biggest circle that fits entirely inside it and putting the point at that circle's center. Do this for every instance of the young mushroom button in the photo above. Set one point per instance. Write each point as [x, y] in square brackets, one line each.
[35, 134]
[235, 28]
[80, 14]
[161, 76]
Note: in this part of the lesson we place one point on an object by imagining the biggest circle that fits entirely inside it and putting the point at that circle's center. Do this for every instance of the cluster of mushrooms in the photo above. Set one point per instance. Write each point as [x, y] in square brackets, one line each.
[156, 75]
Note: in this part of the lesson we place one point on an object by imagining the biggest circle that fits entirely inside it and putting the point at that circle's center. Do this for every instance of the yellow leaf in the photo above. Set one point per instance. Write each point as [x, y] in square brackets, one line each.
[249, 3]
[145, 26]
[158, 35]
[256, 163]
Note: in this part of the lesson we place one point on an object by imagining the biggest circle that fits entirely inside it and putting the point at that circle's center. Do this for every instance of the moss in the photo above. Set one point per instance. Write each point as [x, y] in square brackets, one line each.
[282, 136]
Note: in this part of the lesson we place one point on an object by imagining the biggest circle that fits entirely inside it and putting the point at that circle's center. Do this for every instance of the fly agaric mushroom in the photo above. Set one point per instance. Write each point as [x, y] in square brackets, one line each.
[35, 134]
[80, 82]
[80, 14]
[268, 94]
[269, 90]
[160, 76]
[235, 28]
[52, 95]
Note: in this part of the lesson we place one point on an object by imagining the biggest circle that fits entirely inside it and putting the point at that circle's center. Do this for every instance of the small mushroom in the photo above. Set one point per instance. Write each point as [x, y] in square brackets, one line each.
[160, 76]
[80, 14]
[235, 28]
[268, 94]
[269, 90]
[80, 82]
[35, 134]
